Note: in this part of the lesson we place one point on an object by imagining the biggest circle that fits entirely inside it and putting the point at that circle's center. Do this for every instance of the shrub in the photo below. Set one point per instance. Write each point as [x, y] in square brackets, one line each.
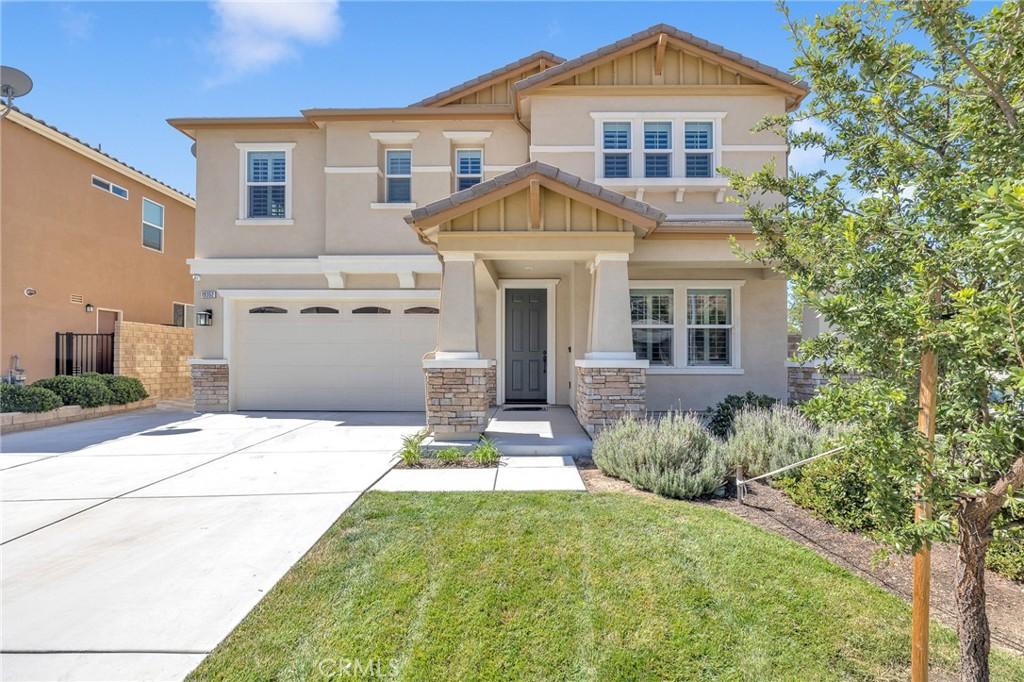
[764, 440]
[722, 415]
[19, 398]
[125, 389]
[486, 452]
[412, 448]
[1006, 553]
[674, 456]
[87, 391]
[450, 454]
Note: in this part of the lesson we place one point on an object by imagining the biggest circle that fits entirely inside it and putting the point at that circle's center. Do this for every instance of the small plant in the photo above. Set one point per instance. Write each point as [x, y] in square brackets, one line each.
[722, 415]
[87, 391]
[674, 456]
[450, 454]
[124, 389]
[486, 453]
[412, 448]
[764, 440]
[19, 398]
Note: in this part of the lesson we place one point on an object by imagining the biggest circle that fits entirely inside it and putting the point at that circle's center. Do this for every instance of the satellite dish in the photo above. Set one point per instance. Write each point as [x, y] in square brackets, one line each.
[13, 83]
[193, 149]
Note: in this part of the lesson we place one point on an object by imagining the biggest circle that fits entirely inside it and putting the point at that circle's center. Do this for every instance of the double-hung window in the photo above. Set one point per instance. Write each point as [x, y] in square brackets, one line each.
[651, 317]
[266, 184]
[152, 225]
[709, 327]
[469, 168]
[699, 147]
[617, 147]
[398, 175]
[657, 146]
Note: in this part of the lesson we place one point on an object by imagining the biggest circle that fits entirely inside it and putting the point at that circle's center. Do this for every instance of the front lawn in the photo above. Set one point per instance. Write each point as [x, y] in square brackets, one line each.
[559, 586]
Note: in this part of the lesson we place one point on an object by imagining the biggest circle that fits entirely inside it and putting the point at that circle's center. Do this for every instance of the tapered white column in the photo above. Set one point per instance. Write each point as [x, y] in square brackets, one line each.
[611, 337]
[456, 333]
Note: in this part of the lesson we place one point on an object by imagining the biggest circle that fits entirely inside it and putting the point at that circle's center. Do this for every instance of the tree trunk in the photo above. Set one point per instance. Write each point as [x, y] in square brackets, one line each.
[975, 534]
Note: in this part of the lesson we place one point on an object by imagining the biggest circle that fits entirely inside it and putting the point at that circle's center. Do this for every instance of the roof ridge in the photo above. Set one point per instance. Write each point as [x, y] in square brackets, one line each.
[522, 61]
[98, 150]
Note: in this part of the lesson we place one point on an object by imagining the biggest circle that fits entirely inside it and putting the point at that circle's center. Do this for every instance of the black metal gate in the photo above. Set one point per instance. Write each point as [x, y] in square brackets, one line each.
[79, 353]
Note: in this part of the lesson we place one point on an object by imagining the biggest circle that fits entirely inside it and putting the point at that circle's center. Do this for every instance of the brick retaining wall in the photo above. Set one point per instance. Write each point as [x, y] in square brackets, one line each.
[155, 354]
[11, 422]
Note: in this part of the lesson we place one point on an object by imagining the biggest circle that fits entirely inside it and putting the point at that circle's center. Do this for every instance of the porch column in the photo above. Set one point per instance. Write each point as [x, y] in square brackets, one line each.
[610, 382]
[459, 383]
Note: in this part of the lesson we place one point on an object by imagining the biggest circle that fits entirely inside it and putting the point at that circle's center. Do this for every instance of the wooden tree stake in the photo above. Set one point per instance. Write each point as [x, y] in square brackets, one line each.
[922, 512]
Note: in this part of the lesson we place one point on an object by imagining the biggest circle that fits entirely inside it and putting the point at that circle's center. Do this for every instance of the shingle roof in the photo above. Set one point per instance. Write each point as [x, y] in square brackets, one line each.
[508, 68]
[538, 168]
[100, 151]
[672, 31]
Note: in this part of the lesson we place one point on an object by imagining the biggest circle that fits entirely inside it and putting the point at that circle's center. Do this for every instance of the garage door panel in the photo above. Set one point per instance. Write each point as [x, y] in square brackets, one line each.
[330, 362]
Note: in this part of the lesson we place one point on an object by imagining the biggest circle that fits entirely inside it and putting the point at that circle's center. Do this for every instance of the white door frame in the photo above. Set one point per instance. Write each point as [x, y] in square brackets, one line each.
[549, 286]
[120, 316]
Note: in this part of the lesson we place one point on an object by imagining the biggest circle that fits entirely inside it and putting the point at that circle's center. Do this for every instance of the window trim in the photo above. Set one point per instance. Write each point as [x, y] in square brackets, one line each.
[459, 175]
[243, 185]
[678, 119]
[109, 189]
[713, 151]
[627, 152]
[142, 229]
[671, 325]
[658, 152]
[680, 336]
[188, 318]
[388, 175]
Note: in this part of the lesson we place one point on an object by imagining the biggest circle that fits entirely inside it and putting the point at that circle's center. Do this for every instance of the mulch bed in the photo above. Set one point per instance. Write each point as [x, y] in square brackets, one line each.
[772, 510]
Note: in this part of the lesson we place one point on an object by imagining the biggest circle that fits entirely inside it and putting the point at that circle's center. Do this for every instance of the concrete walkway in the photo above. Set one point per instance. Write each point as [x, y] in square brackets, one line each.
[133, 544]
[537, 430]
[535, 472]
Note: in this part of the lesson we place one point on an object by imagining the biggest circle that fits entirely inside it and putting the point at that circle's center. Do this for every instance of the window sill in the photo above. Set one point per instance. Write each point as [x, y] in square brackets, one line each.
[649, 183]
[384, 205]
[264, 221]
[695, 370]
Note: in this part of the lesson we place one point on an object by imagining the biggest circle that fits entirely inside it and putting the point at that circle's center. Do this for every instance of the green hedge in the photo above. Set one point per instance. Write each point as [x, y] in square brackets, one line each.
[79, 390]
[20, 398]
[125, 389]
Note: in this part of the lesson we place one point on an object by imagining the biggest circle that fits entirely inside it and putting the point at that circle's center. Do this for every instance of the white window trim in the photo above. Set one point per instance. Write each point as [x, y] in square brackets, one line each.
[243, 186]
[672, 325]
[629, 151]
[188, 316]
[678, 119]
[670, 151]
[388, 176]
[466, 175]
[142, 228]
[715, 151]
[110, 187]
[679, 337]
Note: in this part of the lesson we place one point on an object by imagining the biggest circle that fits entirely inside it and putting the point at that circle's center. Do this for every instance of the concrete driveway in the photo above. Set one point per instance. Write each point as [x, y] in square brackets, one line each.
[132, 545]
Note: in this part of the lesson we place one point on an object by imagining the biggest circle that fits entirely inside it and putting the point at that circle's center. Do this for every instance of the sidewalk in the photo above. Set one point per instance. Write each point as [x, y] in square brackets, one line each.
[528, 472]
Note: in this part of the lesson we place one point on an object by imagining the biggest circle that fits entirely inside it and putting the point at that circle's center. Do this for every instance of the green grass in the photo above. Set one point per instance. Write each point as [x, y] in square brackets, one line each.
[567, 586]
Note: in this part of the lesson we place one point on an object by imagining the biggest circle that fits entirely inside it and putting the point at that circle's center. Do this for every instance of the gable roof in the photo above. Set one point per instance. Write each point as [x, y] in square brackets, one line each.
[540, 57]
[601, 194]
[52, 132]
[651, 34]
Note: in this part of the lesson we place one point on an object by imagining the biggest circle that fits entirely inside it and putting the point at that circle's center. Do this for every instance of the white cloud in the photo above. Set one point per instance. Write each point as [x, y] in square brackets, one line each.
[254, 34]
[75, 22]
[807, 160]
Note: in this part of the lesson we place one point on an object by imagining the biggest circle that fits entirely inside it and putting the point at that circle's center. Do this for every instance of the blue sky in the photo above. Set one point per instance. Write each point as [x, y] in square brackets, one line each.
[111, 73]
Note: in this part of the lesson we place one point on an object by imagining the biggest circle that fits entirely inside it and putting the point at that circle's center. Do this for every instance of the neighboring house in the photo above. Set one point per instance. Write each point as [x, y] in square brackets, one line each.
[87, 240]
[574, 208]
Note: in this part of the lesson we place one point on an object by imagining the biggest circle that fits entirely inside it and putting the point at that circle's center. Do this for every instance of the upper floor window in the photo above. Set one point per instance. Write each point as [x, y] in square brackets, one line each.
[657, 146]
[107, 186]
[266, 182]
[709, 327]
[469, 168]
[617, 145]
[152, 225]
[699, 144]
[398, 175]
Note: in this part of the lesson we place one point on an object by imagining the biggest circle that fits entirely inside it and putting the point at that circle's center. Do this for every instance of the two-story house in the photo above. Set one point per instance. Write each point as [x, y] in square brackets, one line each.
[550, 232]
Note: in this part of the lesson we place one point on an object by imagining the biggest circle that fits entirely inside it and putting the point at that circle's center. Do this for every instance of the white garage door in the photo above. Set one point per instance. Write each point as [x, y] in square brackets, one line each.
[320, 355]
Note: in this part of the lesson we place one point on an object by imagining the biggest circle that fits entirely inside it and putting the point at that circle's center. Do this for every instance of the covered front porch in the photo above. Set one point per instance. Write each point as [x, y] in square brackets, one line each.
[535, 305]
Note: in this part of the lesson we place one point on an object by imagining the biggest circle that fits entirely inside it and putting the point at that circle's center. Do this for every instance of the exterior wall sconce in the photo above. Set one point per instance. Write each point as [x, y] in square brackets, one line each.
[90, 308]
[204, 318]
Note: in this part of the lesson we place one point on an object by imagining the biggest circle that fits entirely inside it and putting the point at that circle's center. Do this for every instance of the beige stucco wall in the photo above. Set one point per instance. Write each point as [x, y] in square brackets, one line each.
[62, 236]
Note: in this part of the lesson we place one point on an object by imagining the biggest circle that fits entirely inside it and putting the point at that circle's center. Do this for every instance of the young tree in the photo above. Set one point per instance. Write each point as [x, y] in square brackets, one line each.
[916, 244]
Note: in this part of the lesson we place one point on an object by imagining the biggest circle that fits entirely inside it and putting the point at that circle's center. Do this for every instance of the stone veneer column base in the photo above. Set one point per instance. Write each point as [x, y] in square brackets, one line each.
[210, 385]
[459, 397]
[605, 394]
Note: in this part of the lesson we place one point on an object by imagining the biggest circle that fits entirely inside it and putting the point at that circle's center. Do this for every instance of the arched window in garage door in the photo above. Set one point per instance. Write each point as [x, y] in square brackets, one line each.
[267, 310]
[371, 310]
[422, 310]
[319, 310]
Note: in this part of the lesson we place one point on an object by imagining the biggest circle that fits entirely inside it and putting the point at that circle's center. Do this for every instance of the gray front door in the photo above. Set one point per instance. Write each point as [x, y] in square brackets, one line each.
[526, 334]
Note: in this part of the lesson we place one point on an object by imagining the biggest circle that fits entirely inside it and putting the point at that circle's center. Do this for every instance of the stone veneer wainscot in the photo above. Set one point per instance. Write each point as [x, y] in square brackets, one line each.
[605, 394]
[210, 385]
[459, 400]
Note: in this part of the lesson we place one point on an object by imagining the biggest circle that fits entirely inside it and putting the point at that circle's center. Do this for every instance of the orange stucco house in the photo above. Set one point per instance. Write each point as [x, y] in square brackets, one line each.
[86, 241]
